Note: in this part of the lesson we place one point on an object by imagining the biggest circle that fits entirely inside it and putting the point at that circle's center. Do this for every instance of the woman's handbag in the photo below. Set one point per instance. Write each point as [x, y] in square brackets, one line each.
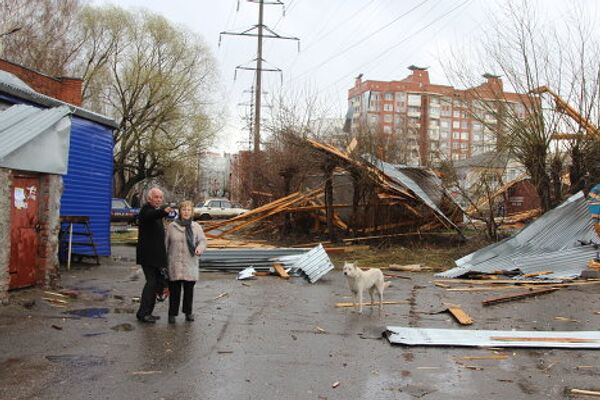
[162, 284]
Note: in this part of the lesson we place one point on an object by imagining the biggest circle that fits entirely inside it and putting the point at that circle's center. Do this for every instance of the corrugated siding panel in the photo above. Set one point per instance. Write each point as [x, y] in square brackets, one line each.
[88, 183]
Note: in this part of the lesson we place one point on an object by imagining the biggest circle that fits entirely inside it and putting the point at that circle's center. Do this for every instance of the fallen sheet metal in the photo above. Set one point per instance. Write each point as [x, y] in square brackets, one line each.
[480, 338]
[551, 243]
[314, 263]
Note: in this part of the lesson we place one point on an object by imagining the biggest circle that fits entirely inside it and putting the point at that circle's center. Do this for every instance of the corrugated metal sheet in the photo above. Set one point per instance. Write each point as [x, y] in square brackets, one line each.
[404, 179]
[238, 259]
[539, 246]
[14, 86]
[315, 263]
[476, 338]
[88, 184]
[34, 139]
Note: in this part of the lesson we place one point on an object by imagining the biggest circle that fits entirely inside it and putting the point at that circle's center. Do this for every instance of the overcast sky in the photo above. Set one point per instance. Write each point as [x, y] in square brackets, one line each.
[338, 40]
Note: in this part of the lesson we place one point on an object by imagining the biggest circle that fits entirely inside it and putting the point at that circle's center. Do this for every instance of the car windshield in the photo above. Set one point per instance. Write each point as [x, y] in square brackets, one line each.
[120, 203]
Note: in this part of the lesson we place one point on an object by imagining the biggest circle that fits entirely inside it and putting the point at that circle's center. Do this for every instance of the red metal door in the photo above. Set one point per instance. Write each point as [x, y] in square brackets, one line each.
[23, 231]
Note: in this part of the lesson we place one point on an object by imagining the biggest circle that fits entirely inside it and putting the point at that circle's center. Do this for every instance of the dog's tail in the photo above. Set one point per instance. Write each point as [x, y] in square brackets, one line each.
[387, 284]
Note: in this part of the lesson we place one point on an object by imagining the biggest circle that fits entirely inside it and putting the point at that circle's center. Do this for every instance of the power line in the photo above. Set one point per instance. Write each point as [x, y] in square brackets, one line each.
[384, 52]
[362, 40]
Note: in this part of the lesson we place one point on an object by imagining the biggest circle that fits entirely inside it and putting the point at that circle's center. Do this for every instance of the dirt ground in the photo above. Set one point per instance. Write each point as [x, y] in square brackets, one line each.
[275, 339]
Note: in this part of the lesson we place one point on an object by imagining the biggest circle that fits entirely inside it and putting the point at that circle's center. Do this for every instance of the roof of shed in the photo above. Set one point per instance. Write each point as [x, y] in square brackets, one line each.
[14, 86]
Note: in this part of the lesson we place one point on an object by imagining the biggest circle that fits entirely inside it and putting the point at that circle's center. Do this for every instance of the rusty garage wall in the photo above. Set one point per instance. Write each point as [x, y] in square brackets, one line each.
[5, 183]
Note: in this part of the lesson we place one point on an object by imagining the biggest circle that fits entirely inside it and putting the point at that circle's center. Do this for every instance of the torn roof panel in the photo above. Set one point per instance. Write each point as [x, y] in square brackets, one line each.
[407, 181]
[539, 246]
[487, 338]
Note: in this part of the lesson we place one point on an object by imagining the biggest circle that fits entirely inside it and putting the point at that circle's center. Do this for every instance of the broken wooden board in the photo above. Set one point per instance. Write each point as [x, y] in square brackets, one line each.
[518, 296]
[408, 268]
[390, 302]
[281, 271]
[458, 313]
[585, 392]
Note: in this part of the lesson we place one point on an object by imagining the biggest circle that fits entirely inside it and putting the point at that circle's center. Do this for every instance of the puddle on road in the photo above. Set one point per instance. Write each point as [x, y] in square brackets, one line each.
[78, 361]
[93, 312]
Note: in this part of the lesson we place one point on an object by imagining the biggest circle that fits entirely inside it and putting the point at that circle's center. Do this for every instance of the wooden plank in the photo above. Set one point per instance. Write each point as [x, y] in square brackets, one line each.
[537, 274]
[585, 392]
[494, 282]
[543, 339]
[518, 296]
[458, 313]
[281, 271]
[491, 357]
[338, 305]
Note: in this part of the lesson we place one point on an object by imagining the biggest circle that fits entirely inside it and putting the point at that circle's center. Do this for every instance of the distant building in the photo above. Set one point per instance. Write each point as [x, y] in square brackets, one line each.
[215, 170]
[432, 122]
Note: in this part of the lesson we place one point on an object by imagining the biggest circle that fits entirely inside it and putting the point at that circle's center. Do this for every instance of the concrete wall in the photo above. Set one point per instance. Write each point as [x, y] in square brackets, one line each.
[49, 219]
[5, 183]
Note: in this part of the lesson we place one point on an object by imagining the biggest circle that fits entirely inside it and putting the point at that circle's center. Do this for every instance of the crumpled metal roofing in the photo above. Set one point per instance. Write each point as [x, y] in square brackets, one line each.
[314, 263]
[35, 139]
[551, 243]
[14, 86]
[483, 338]
[404, 179]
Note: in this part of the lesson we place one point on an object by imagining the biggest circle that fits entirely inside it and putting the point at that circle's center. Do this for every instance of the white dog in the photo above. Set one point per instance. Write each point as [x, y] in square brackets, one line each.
[360, 280]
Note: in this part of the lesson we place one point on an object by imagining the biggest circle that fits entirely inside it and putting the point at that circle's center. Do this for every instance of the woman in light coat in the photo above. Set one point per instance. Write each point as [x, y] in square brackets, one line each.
[185, 242]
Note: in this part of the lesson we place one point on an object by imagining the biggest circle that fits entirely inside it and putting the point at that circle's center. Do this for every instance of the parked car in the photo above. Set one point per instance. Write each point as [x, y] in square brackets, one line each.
[217, 209]
[121, 211]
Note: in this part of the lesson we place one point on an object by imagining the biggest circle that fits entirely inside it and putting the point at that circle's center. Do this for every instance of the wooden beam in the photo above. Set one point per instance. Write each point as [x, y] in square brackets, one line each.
[585, 392]
[543, 339]
[281, 271]
[462, 317]
[518, 296]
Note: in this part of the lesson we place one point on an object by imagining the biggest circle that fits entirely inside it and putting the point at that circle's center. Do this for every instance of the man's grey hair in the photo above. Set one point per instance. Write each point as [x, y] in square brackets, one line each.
[151, 191]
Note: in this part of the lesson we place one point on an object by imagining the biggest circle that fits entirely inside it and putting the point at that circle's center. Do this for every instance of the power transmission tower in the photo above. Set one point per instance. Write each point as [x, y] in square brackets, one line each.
[258, 31]
[248, 117]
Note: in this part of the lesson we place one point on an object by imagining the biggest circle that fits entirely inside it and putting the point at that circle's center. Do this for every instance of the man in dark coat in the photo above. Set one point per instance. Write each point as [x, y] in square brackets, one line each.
[151, 253]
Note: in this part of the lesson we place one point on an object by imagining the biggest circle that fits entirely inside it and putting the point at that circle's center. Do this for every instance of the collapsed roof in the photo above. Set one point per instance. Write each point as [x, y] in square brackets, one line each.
[562, 241]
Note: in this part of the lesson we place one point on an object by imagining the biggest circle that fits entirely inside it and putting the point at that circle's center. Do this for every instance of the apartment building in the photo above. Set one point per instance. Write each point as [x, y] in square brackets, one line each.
[433, 122]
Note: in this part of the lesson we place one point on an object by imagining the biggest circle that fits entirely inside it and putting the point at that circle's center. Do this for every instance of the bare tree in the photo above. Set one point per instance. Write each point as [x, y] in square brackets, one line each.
[529, 55]
[46, 39]
[154, 79]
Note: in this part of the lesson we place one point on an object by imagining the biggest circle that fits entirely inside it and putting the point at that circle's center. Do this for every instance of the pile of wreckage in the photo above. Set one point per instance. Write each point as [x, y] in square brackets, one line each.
[561, 249]
[400, 200]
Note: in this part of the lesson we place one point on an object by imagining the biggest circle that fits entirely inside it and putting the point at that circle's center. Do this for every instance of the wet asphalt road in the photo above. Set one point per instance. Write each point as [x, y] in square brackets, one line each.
[275, 339]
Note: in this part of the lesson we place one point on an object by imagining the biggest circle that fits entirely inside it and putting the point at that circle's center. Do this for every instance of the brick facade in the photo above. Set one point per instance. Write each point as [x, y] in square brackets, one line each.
[61, 88]
[434, 122]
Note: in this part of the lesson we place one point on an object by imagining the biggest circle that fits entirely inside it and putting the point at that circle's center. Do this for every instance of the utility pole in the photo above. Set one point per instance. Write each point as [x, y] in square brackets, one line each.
[249, 117]
[258, 31]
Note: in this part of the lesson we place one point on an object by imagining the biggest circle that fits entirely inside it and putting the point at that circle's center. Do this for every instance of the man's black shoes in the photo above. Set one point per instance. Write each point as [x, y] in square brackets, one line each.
[148, 319]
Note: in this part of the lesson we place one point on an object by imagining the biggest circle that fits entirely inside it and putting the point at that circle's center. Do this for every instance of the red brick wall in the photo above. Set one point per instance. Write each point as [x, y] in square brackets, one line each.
[521, 197]
[64, 89]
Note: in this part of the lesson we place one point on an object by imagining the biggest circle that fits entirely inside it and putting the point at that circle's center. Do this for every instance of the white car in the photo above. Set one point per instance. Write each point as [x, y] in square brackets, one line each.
[217, 209]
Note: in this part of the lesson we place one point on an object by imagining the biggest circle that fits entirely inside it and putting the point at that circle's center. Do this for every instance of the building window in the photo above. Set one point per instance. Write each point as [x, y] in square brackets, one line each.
[387, 118]
[456, 114]
[445, 123]
[455, 124]
[389, 96]
[456, 135]
[373, 119]
[477, 126]
[388, 107]
[414, 99]
[463, 146]
[444, 134]
[464, 135]
[464, 125]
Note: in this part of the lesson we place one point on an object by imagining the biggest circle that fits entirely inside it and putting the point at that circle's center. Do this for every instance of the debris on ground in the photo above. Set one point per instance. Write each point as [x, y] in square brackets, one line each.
[462, 317]
[376, 304]
[247, 273]
[486, 338]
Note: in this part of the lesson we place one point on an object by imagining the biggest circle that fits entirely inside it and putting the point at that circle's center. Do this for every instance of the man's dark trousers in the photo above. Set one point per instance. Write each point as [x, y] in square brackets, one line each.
[148, 299]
